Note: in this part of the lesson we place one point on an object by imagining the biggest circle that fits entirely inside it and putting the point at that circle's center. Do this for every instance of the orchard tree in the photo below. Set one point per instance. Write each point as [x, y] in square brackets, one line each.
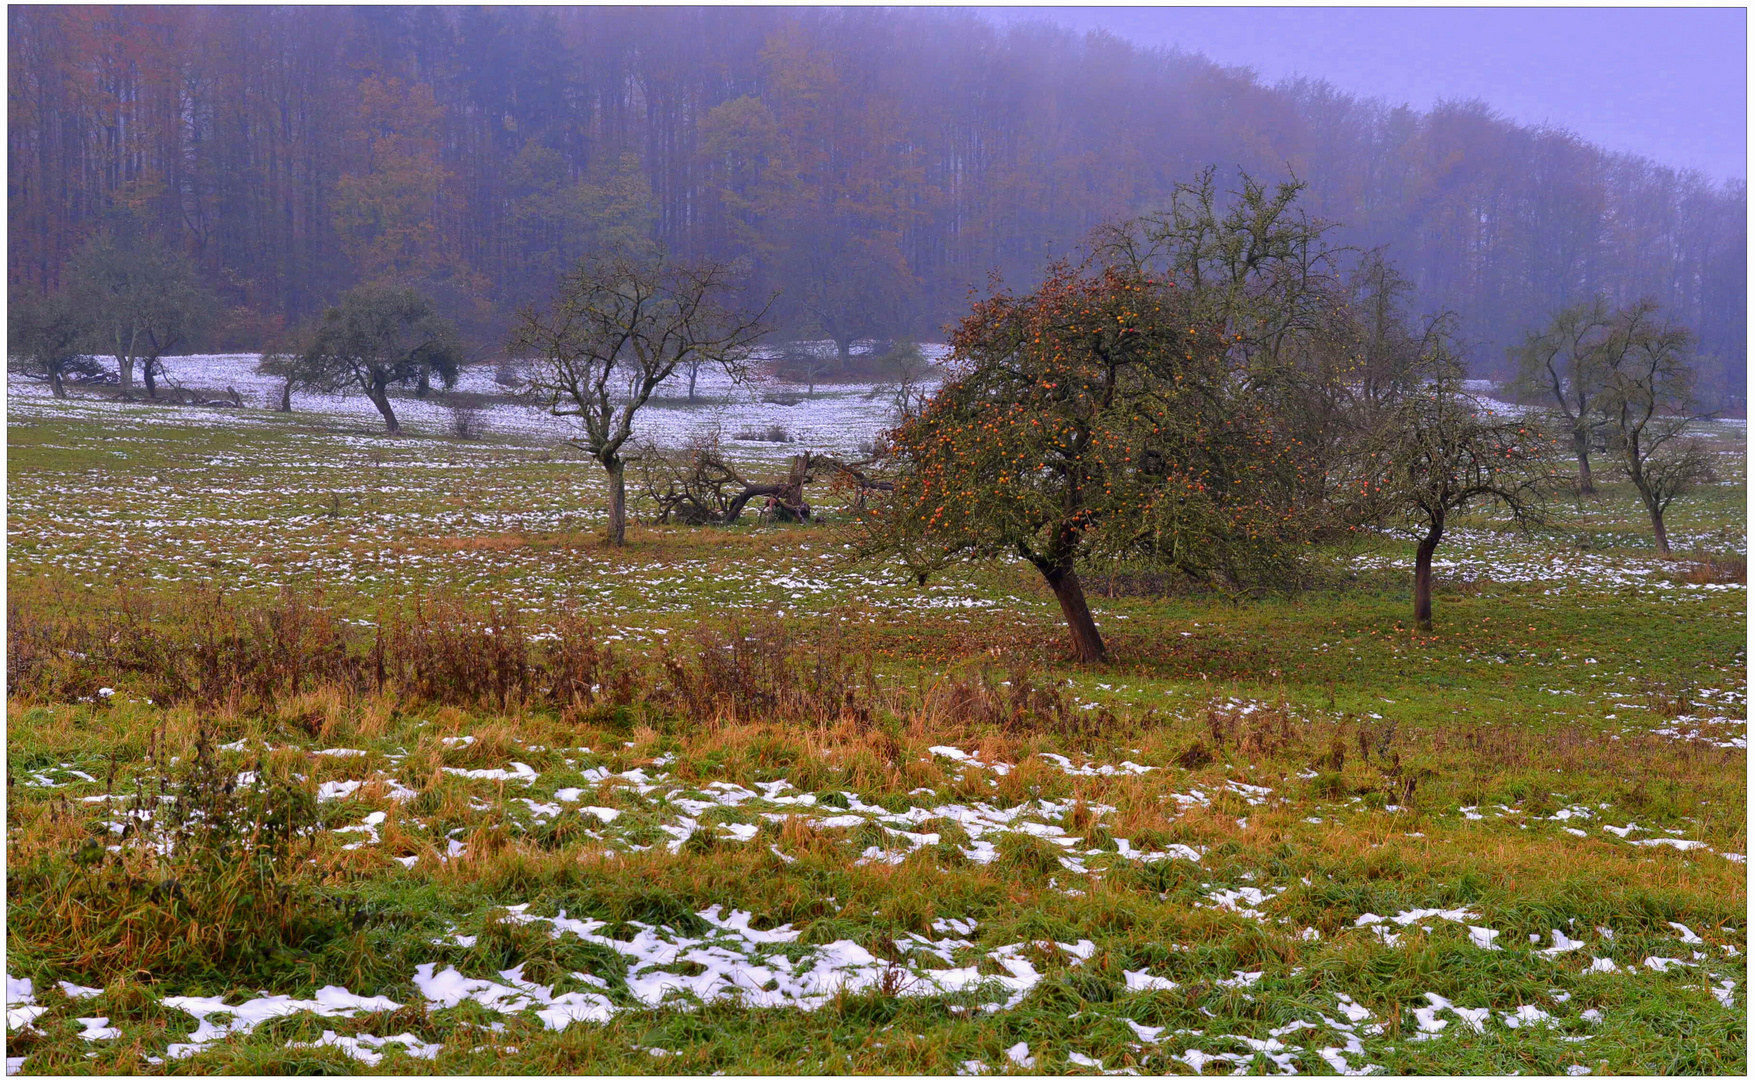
[1567, 361]
[617, 329]
[46, 334]
[144, 298]
[290, 362]
[1090, 415]
[1317, 351]
[378, 337]
[1440, 454]
[1648, 403]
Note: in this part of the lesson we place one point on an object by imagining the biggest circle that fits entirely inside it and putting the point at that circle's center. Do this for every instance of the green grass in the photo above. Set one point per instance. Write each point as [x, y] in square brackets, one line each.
[1573, 681]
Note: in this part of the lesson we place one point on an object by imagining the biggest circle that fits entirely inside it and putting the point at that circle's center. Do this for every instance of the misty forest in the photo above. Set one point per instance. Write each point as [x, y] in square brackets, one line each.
[854, 540]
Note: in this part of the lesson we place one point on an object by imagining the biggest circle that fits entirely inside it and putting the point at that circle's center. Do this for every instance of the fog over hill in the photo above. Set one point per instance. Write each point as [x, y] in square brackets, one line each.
[872, 167]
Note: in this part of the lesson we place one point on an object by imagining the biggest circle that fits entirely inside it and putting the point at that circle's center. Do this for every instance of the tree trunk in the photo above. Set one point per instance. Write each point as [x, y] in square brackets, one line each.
[56, 386]
[125, 365]
[693, 372]
[1423, 578]
[381, 399]
[618, 502]
[146, 377]
[752, 491]
[424, 386]
[1636, 473]
[844, 352]
[286, 396]
[1581, 447]
[1657, 526]
[1087, 642]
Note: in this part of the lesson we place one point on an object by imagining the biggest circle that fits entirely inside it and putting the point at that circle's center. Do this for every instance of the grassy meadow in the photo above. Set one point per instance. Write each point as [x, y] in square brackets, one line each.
[329, 752]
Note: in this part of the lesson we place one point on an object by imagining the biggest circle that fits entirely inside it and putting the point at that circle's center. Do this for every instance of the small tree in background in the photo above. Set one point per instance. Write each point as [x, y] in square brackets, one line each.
[381, 336]
[1566, 361]
[144, 299]
[1440, 454]
[1648, 401]
[46, 334]
[292, 367]
[617, 330]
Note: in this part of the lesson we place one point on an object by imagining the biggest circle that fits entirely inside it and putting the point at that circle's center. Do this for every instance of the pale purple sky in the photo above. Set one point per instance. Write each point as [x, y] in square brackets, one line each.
[1668, 83]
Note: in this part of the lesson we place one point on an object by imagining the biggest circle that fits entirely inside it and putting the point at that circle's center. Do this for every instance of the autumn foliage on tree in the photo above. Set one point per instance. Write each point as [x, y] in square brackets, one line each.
[1089, 414]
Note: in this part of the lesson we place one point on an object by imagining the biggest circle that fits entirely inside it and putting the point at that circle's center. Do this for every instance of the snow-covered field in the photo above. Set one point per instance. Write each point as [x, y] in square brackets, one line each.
[837, 418]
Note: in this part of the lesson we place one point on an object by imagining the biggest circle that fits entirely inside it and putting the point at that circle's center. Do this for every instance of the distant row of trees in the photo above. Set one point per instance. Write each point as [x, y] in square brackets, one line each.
[871, 165]
[130, 297]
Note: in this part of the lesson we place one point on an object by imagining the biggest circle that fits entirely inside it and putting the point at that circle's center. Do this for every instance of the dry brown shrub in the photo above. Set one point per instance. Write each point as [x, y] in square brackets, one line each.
[1258, 732]
[755, 670]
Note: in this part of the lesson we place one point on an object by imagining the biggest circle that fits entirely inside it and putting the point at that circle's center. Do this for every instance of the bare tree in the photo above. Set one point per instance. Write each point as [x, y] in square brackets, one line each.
[616, 331]
[288, 361]
[1441, 454]
[1566, 361]
[1648, 403]
[801, 362]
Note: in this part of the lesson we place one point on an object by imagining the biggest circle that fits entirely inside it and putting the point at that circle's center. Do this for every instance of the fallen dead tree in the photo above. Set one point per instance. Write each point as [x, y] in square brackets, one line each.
[700, 487]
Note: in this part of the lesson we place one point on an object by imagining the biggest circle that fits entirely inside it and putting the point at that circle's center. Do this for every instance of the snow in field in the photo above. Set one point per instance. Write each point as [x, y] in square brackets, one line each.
[732, 959]
[836, 419]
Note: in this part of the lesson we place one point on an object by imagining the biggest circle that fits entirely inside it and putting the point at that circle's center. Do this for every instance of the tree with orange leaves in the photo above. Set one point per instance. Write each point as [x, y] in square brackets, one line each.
[1092, 414]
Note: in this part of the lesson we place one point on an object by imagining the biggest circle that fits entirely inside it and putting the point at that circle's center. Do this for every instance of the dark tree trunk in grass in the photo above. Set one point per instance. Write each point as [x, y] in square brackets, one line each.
[1087, 642]
[56, 386]
[1423, 576]
[1581, 447]
[1657, 531]
[618, 501]
[146, 376]
[1655, 509]
[381, 398]
[286, 396]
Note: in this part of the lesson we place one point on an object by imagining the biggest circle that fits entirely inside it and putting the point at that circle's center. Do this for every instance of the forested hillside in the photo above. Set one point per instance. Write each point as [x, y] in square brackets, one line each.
[871, 166]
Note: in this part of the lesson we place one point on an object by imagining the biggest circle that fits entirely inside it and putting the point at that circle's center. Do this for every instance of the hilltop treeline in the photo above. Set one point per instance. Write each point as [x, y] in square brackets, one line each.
[871, 166]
